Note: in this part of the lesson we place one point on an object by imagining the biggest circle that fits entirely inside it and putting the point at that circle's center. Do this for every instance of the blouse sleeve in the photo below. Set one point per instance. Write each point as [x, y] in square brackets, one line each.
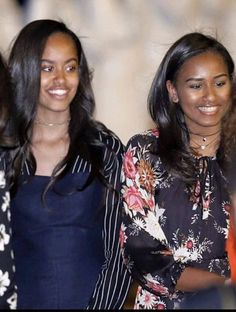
[7, 282]
[114, 280]
[144, 244]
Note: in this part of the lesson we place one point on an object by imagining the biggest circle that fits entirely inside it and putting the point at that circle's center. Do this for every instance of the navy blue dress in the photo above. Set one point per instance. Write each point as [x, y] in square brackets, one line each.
[214, 298]
[67, 251]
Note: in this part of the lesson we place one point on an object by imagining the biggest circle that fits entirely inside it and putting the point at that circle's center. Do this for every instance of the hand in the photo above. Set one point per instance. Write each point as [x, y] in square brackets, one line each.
[228, 281]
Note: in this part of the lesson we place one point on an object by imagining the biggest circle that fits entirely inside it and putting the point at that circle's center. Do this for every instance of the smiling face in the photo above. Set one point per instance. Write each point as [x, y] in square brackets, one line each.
[203, 90]
[59, 75]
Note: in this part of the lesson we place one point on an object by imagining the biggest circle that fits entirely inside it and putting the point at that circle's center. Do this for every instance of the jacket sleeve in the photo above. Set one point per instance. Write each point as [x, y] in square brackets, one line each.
[145, 247]
[114, 281]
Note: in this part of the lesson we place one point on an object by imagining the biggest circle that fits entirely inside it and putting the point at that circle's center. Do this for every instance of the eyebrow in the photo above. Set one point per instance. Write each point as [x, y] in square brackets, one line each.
[67, 61]
[200, 79]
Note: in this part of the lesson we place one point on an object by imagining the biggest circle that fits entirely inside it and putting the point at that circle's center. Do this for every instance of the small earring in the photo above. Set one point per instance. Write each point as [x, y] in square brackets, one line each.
[175, 100]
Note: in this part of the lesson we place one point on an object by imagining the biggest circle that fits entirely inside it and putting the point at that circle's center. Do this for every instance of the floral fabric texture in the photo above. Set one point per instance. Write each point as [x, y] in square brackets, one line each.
[7, 287]
[164, 229]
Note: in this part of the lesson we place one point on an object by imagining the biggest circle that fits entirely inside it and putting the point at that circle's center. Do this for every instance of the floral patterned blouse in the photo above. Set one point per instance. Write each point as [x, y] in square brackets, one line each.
[164, 229]
[8, 295]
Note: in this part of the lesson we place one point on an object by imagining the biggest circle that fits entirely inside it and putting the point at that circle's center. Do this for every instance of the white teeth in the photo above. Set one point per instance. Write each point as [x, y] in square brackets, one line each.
[58, 92]
[208, 108]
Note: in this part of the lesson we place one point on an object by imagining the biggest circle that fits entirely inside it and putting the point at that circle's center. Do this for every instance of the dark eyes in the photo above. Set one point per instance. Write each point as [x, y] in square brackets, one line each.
[195, 86]
[200, 85]
[220, 83]
[47, 68]
[67, 68]
[71, 68]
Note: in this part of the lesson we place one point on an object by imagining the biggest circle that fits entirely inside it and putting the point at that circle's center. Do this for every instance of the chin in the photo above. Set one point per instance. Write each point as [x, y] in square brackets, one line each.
[211, 123]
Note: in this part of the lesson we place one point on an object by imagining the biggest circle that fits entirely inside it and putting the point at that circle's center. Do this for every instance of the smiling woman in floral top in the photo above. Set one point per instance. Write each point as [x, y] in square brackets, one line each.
[175, 199]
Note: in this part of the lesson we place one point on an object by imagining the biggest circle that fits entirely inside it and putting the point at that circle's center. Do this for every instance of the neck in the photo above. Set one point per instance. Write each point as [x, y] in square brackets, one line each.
[204, 137]
[51, 124]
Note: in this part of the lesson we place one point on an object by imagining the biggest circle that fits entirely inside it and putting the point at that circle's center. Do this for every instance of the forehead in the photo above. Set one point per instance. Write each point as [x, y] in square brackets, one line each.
[59, 44]
[207, 63]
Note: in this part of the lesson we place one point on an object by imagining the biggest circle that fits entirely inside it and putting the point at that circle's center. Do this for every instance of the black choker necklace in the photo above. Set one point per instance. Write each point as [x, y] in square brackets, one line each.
[204, 137]
[51, 124]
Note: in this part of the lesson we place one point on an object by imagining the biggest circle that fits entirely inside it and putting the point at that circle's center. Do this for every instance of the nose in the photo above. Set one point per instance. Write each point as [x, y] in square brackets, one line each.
[209, 93]
[59, 76]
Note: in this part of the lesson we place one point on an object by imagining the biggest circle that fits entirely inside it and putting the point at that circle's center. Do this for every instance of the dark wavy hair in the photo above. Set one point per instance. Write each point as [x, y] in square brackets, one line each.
[7, 134]
[173, 146]
[25, 68]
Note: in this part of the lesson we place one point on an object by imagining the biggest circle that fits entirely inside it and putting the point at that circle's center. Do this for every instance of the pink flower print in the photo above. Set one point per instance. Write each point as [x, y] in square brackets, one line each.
[122, 236]
[155, 131]
[133, 200]
[189, 244]
[227, 207]
[195, 194]
[150, 203]
[197, 189]
[128, 165]
[146, 300]
[159, 289]
[160, 306]
[205, 206]
[206, 203]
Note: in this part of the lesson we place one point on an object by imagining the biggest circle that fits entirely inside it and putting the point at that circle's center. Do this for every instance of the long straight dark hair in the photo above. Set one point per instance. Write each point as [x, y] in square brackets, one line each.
[7, 134]
[25, 68]
[8, 138]
[173, 145]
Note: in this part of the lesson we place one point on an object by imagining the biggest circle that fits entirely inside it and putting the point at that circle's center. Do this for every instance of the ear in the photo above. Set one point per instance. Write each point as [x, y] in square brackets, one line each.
[173, 95]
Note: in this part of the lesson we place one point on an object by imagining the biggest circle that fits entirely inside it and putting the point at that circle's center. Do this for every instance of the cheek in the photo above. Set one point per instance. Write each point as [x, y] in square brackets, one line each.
[188, 100]
[226, 101]
[44, 82]
[75, 83]
[227, 97]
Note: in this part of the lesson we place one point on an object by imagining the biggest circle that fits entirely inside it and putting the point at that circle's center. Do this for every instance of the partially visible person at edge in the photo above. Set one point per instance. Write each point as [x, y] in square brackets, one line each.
[230, 136]
[221, 297]
[175, 199]
[8, 296]
[66, 178]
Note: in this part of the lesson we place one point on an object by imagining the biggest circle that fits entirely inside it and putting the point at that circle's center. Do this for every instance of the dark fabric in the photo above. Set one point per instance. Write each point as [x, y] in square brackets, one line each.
[213, 298]
[166, 228]
[7, 281]
[61, 247]
[67, 251]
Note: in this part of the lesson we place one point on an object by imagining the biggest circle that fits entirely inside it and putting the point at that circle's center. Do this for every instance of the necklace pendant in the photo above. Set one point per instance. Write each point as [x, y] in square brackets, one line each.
[204, 139]
[203, 147]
